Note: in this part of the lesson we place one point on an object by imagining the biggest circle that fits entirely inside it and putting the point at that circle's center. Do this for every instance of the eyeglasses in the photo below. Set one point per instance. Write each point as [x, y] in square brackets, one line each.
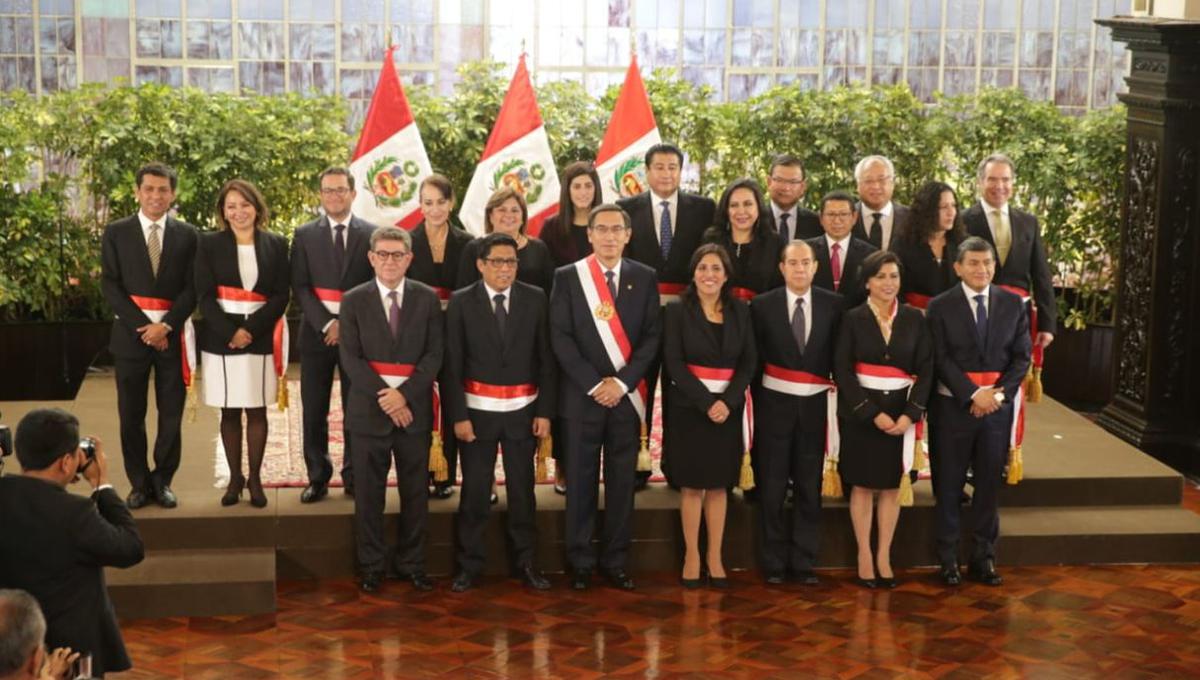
[335, 191]
[878, 181]
[789, 182]
[501, 262]
[605, 230]
[838, 215]
[397, 255]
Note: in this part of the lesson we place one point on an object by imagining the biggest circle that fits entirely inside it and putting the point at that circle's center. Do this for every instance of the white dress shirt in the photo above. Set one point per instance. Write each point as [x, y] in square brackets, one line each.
[146, 222]
[383, 296]
[492, 293]
[791, 213]
[808, 310]
[656, 205]
[987, 299]
[333, 227]
[887, 217]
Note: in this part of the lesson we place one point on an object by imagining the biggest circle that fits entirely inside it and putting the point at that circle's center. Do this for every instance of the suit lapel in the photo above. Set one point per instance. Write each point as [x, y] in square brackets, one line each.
[626, 290]
[965, 312]
[137, 244]
[518, 311]
[488, 313]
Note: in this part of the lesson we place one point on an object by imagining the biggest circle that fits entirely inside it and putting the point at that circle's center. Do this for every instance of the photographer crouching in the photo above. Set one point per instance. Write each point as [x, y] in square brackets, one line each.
[55, 545]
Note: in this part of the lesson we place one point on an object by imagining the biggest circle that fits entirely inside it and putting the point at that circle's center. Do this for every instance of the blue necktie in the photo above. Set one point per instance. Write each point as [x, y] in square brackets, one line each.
[664, 229]
[981, 319]
[612, 286]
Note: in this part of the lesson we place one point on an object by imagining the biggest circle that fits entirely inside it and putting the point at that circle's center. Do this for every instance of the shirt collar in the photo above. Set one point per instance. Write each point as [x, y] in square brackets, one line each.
[672, 199]
[333, 223]
[970, 292]
[845, 242]
[492, 292]
[384, 290]
[885, 211]
[792, 297]
[780, 210]
[146, 221]
[988, 208]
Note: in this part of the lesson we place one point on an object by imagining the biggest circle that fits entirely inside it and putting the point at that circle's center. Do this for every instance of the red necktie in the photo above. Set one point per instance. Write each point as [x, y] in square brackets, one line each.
[835, 264]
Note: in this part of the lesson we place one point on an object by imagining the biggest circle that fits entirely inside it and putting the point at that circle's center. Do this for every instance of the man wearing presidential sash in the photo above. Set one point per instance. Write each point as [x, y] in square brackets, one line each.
[605, 329]
[391, 346]
[146, 277]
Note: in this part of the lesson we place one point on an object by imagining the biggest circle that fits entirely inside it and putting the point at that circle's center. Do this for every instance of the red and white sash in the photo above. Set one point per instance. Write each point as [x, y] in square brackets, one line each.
[393, 374]
[330, 297]
[890, 378]
[805, 384]
[917, 300]
[246, 302]
[156, 310]
[1016, 435]
[743, 294]
[499, 398]
[669, 292]
[612, 333]
[1038, 355]
[716, 380]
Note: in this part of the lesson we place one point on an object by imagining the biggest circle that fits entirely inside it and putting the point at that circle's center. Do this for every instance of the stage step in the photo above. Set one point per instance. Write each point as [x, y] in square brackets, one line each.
[195, 583]
[1089, 535]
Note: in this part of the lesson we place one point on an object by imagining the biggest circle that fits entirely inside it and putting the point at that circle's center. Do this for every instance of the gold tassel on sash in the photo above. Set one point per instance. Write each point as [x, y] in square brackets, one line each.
[544, 451]
[831, 481]
[281, 394]
[746, 476]
[191, 401]
[437, 459]
[906, 490]
[1016, 466]
[644, 464]
[1033, 395]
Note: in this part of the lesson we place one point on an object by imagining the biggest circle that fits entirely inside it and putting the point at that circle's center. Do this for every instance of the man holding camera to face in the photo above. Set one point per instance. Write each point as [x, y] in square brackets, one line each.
[56, 544]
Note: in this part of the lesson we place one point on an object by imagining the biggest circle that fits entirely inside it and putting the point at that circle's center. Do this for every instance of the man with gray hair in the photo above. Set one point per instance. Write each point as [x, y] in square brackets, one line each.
[879, 218]
[22, 628]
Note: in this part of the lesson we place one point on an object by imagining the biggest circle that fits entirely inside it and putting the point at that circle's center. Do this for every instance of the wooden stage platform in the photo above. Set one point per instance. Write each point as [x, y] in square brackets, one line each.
[1087, 498]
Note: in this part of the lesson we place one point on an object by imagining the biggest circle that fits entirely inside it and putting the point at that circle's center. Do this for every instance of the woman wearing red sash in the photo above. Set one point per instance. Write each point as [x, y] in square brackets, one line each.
[745, 228]
[709, 358]
[883, 367]
[242, 280]
[927, 244]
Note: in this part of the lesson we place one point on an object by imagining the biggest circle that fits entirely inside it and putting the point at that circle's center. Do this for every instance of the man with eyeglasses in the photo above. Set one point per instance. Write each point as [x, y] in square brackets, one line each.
[329, 257]
[786, 184]
[879, 218]
[499, 389]
[391, 347]
[838, 253]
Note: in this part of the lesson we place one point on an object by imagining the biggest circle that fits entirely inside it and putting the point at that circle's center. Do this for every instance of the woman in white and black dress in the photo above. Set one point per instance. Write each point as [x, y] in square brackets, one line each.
[242, 291]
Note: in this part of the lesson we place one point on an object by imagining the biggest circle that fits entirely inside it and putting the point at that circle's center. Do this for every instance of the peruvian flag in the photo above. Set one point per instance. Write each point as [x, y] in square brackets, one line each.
[518, 155]
[389, 162]
[631, 131]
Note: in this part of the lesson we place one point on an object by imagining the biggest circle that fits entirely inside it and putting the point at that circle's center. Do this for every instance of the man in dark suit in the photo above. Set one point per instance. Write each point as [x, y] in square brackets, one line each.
[146, 276]
[837, 252]
[329, 257]
[55, 544]
[499, 389]
[1017, 238]
[667, 227]
[795, 327]
[879, 219]
[605, 348]
[22, 631]
[786, 184]
[391, 347]
[981, 341]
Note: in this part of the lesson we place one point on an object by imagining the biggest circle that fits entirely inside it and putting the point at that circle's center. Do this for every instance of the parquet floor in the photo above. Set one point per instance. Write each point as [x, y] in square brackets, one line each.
[1046, 622]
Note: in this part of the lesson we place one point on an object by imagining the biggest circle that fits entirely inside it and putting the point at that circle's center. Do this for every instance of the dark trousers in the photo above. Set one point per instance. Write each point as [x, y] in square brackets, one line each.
[958, 442]
[133, 380]
[316, 380]
[797, 455]
[373, 457]
[474, 506]
[616, 430]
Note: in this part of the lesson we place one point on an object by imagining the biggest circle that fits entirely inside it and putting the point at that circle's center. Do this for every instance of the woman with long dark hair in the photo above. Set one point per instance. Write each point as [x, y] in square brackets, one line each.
[745, 227]
[565, 234]
[927, 244]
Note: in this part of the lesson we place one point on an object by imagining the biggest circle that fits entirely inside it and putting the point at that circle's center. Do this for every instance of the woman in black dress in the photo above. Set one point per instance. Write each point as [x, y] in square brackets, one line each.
[927, 244]
[565, 234]
[437, 243]
[709, 358]
[745, 228]
[507, 213]
[883, 367]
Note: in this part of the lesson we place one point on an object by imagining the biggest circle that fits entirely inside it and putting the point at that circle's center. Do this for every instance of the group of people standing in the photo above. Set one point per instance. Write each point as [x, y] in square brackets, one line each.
[772, 329]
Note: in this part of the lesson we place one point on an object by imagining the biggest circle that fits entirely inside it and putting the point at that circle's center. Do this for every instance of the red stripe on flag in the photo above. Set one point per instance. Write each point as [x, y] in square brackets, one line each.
[534, 226]
[519, 114]
[411, 220]
[632, 117]
[388, 113]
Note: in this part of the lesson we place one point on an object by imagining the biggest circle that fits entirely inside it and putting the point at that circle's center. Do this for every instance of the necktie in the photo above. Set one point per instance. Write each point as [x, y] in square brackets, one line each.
[339, 247]
[501, 313]
[876, 235]
[1003, 235]
[798, 324]
[394, 313]
[664, 229]
[783, 226]
[612, 286]
[835, 264]
[981, 318]
[154, 245]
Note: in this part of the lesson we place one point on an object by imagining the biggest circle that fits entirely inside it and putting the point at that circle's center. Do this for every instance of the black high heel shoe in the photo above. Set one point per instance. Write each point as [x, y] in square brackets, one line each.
[233, 492]
[258, 498]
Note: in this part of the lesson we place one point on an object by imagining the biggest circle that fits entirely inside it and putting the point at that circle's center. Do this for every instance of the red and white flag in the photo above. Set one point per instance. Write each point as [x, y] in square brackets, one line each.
[631, 131]
[389, 162]
[518, 155]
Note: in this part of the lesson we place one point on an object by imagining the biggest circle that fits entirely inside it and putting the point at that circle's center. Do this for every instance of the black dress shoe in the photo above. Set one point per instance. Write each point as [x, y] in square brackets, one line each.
[462, 582]
[868, 583]
[640, 483]
[313, 493]
[691, 583]
[581, 579]
[985, 572]
[806, 577]
[775, 578]
[617, 578]
[165, 497]
[719, 582]
[442, 491]
[533, 578]
[348, 489]
[887, 583]
[137, 499]
[419, 580]
[371, 583]
[949, 575]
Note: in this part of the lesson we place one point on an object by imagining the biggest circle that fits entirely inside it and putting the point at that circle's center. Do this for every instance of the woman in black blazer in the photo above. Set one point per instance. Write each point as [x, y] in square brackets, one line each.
[709, 358]
[883, 367]
[745, 228]
[242, 291]
[507, 213]
[565, 234]
[437, 243]
[928, 243]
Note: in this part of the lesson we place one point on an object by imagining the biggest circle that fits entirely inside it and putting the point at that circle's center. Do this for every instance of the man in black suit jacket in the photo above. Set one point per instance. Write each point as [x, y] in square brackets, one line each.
[55, 544]
[1018, 242]
[839, 274]
[795, 327]
[391, 347]
[146, 276]
[605, 349]
[786, 184]
[329, 257]
[982, 345]
[499, 389]
[880, 220]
